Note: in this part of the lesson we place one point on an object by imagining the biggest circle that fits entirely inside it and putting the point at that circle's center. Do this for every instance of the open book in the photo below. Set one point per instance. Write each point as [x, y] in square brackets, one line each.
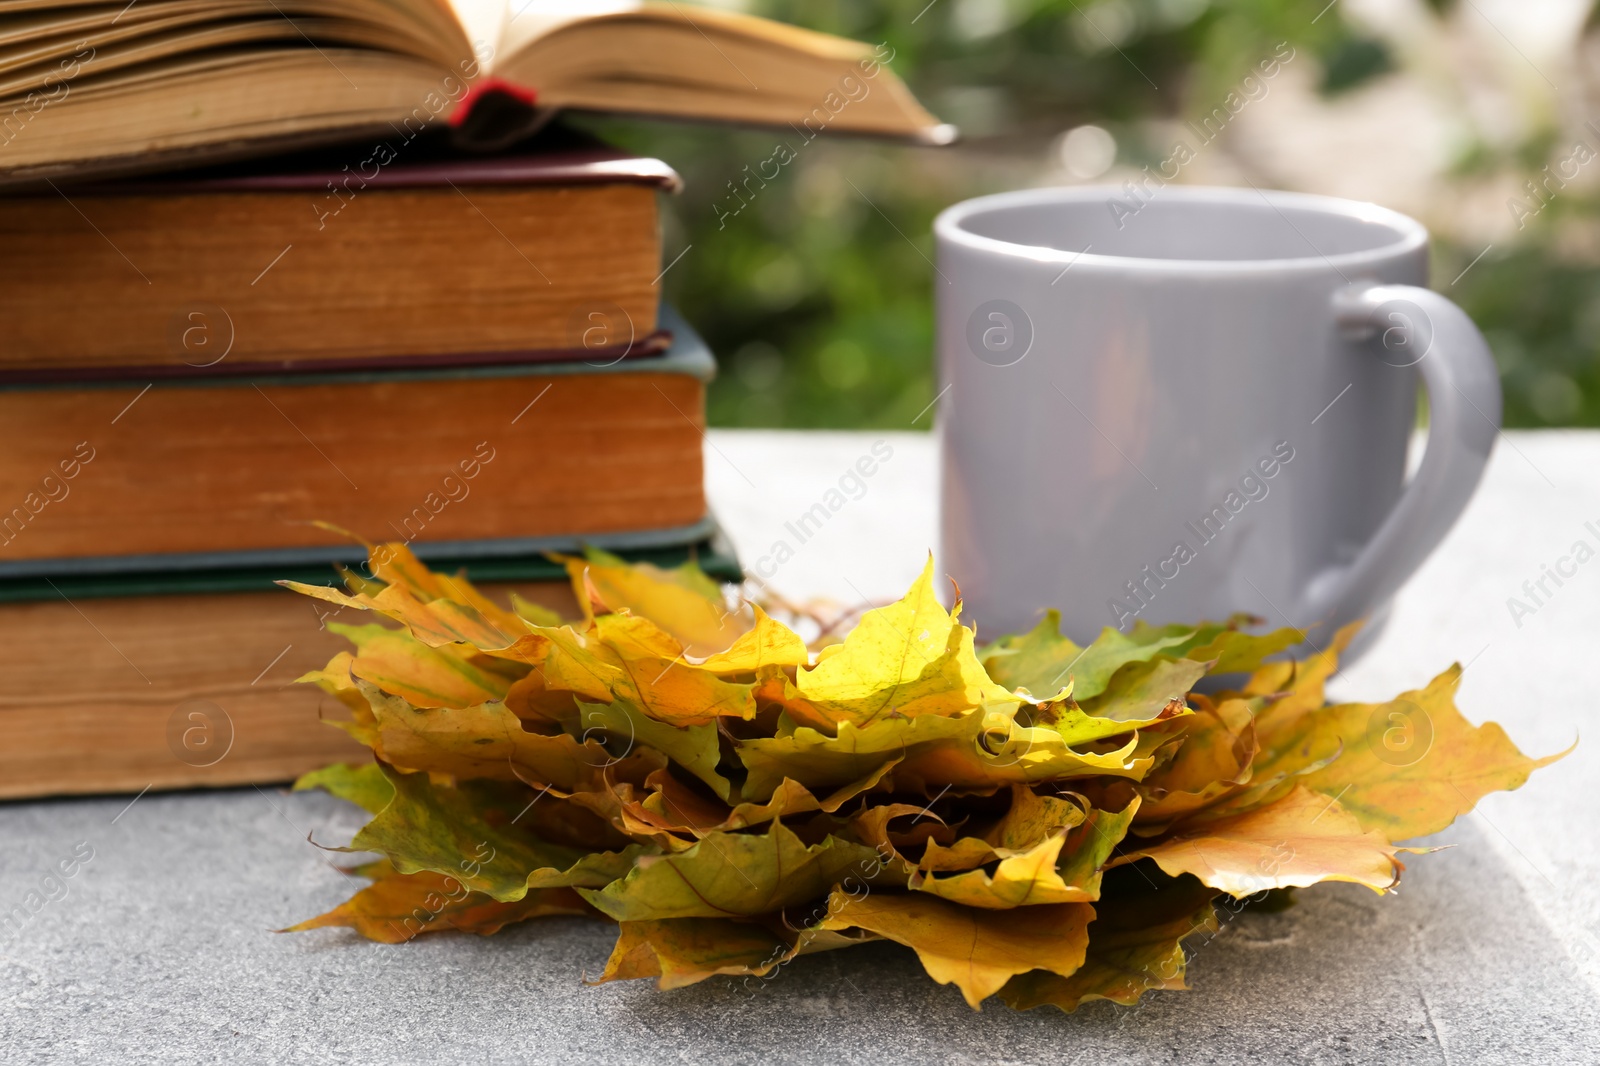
[137, 84]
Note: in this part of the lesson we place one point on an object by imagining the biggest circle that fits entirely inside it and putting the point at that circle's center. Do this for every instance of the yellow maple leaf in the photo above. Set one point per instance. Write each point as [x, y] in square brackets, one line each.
[907, 659]
[976, 950]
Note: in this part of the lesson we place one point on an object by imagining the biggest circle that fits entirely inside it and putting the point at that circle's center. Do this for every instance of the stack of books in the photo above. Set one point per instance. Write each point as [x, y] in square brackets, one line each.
[416, 311]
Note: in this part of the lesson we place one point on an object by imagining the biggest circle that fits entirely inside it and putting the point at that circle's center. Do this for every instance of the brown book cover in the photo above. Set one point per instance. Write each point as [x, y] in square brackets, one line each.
[161, 688]
[172, 468]
[385, 254]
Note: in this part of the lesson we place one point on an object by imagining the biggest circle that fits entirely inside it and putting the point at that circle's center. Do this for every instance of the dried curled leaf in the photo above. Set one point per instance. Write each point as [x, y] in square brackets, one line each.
[471, 832]
[683, 951]
[399, 907]
[1036, 819]
[1062, 868]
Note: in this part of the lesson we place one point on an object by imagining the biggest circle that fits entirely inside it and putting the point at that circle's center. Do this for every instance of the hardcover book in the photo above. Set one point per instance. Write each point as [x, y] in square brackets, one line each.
[384, 254]
[86, 86]
[149, 684]
[109, 477]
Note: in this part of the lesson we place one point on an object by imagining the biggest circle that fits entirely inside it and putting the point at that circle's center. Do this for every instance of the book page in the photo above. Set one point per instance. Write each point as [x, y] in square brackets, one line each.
[426, 28]
[528, 20]
[481, 21]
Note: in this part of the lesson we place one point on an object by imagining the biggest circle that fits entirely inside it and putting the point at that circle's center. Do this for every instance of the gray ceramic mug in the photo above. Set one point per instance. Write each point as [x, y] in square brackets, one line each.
[1189, 402]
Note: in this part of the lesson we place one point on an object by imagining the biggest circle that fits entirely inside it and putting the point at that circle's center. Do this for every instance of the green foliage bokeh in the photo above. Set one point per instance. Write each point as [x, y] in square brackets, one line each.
[816, 291]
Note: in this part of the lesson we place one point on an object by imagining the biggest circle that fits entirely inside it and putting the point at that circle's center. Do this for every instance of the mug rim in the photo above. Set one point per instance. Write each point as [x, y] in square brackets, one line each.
[1409, 234]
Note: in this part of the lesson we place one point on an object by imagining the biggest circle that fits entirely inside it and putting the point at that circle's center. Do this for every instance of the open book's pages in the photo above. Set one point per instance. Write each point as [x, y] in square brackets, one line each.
[382, 253]
[92, 87]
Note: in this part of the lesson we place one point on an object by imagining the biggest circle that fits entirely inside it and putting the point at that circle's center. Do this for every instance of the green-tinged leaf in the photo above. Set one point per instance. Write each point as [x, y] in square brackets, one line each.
[696, 748]
[1078, 727]
[1296, 685]
[1135, 946]
[735, 875]
[363, 784]
[1142, 691]
[1233, 651]
[336, 680]
[822, 762]
[632, 636]
[1406, 768]
[1090, 845]
[1042, 660]
[470, 832]
[1062, 868]
[449, 621]
[979, 750]
[976, 950]
[567, 665]
[537, 613]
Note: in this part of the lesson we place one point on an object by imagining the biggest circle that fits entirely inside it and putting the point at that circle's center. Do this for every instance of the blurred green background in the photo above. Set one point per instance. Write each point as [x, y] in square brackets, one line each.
[817, 297]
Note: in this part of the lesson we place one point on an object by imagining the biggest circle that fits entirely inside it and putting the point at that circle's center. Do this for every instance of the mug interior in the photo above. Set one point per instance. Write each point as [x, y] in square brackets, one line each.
[1190, 225]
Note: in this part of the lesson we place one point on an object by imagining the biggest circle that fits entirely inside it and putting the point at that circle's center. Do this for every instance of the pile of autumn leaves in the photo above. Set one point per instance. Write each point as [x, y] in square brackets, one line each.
[1037, 820]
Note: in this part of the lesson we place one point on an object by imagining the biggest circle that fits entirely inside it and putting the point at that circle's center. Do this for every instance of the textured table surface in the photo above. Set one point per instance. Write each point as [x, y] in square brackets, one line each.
[161, 949]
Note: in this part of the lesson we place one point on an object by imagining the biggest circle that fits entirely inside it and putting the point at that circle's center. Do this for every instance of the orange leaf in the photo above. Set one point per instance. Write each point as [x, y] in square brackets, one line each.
[1299, 840]
[682, 951]
[398, 907]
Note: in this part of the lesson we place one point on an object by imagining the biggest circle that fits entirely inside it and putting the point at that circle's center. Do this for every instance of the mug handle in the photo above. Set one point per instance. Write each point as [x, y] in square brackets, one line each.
[1463, 420]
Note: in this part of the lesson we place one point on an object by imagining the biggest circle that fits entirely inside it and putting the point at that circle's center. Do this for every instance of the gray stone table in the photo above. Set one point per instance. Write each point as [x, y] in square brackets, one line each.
[161, 949]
